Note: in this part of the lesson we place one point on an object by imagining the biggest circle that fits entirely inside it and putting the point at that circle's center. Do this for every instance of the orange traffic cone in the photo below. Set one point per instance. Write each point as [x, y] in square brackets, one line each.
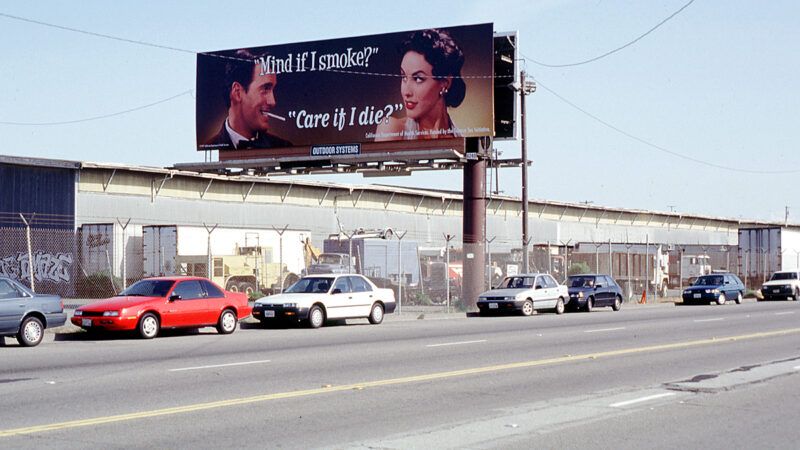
[644, 298]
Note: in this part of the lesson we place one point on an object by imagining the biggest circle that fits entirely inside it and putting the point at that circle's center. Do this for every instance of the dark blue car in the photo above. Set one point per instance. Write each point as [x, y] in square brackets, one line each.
[717, 287]
[25, 315]
[587, 291]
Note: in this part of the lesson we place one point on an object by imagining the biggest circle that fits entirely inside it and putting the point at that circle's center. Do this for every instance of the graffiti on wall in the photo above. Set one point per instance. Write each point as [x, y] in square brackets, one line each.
[48, 267]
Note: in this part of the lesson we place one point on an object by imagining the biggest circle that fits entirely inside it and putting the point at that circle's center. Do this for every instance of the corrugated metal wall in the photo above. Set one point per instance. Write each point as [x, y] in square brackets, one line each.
[47, 192]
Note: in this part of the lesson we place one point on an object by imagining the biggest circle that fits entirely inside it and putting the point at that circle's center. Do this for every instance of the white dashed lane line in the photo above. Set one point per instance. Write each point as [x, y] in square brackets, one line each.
[784, 313]
[709, 320]
[641, 399]
[455, 343]
[219, 365]
[603, 329]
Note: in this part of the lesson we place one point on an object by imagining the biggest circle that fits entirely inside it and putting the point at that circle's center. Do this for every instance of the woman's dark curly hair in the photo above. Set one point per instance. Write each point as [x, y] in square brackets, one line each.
[446, 57]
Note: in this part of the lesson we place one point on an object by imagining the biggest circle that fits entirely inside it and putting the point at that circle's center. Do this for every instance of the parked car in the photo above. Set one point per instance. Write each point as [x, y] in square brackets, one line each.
[717, 287]
[317, 298]
[151, 304]
[26, 315]
[524, 293]
[784, 285]
[588, 291]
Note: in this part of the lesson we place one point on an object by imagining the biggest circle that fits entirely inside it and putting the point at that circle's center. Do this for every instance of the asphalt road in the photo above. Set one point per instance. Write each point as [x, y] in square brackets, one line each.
[648, 377]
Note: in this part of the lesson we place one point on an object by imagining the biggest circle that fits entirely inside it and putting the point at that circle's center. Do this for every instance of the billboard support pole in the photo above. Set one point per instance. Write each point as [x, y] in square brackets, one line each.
[474, 225]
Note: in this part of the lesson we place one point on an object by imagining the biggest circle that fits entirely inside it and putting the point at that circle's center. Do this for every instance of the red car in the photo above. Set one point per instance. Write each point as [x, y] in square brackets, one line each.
[168, 302]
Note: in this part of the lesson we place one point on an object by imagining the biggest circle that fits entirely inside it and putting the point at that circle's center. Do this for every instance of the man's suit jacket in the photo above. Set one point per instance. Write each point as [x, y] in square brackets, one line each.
[223, 141]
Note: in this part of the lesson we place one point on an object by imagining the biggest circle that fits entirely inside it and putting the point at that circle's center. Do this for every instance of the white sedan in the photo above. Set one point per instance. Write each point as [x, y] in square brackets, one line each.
[524, 293]
[317, 298]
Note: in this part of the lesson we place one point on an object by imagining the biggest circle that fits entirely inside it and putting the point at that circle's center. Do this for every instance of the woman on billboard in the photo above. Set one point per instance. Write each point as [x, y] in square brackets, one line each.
[430, 83]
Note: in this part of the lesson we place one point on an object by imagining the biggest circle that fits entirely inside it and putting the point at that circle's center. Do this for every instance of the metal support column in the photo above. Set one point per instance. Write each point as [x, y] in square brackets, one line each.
[474, 225]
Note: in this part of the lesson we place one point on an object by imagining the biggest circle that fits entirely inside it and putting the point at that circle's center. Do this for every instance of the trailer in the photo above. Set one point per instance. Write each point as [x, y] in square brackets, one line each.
[239, 259]
[110, 250]
[632, 265]
[764, 251]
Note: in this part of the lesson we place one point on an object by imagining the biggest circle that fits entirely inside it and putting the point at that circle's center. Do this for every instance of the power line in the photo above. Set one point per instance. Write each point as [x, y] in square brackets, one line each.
[658, 147]
[616, 49]
[104, 116]
[91, 33]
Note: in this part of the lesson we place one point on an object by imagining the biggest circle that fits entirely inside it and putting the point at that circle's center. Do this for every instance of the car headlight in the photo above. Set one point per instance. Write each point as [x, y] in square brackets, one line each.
[580, 294]
[290, 305]
[716, 291]
[687, 292]
[78, 313]
[110, 313]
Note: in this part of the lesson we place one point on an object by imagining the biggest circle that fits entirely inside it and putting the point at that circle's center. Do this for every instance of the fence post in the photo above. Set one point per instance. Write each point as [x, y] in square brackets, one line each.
[124, 254]
[447, 238]
[209, 272]
[400, 237]
[31, 265]
[280, 252]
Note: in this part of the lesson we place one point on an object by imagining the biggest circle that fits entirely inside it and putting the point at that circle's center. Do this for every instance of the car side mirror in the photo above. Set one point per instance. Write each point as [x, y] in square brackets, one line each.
[539, 286]
[336, 291]
[598, 286]
[174, 297]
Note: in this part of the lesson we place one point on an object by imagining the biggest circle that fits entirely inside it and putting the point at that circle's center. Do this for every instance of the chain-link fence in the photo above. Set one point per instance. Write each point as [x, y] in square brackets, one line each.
[100, 260]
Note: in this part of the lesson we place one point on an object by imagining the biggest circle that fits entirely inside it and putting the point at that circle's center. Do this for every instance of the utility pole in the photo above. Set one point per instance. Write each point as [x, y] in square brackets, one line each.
[525, 87]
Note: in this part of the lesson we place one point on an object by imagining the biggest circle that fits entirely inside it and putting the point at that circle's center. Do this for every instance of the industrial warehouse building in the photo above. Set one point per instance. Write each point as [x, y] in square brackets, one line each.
[54, 200]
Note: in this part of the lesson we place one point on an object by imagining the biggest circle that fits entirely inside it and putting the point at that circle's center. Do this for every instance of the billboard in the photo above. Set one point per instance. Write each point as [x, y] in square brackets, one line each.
[329, 97]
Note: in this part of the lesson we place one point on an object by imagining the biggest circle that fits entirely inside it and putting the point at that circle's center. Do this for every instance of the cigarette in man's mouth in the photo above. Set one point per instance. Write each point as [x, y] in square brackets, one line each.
[277, 116]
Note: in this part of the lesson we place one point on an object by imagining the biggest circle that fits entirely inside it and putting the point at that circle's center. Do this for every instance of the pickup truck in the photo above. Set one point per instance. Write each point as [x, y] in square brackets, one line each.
[784, 285]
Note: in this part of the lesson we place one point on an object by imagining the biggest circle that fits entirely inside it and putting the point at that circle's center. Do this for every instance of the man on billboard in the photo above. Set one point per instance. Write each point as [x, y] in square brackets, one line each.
[250, 97]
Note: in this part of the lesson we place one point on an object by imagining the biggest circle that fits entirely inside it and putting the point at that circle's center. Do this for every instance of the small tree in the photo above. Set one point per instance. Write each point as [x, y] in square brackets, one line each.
[578, 268]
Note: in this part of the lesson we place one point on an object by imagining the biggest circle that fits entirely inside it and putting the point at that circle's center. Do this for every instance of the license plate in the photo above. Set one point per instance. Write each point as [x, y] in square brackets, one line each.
[776, 291]
[86, 322]
[492, 305]
[698, 295]
[269, 313]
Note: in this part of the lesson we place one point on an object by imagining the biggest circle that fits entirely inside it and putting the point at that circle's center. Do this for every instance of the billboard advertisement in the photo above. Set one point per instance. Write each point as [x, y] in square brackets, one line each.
[331, 96]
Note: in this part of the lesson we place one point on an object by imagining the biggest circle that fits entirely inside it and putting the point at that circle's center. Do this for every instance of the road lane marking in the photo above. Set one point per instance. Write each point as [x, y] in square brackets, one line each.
[641, 399]
[455, 343]
[784, 313]
[387, 382]
[709, 320]
[219, 365]
[603, 329]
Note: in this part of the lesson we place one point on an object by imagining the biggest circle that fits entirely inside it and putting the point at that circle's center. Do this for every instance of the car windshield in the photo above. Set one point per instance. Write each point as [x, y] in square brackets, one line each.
[329, 259]
[516, 283]
[311, 285]
[784, 276]
[577, 282]
[149, 288]
[709, 281]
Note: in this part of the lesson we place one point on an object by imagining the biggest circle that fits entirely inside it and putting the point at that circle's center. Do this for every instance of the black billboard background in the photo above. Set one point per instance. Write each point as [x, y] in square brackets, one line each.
[377, 88]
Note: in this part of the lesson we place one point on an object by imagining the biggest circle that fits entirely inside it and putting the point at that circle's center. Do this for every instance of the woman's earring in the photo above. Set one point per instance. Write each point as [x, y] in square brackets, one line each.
[443, 92]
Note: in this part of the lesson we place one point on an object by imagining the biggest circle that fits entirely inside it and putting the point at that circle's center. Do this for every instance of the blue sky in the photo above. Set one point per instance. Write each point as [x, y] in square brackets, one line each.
[705, 107]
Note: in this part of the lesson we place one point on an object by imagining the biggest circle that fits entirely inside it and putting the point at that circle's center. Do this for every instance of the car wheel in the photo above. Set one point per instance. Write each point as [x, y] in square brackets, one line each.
[796, 294]
[247, 288]
[721, 299]
[31, 332]
[376, 314]
[617, 303]
[527, 308]
[148, 326]
[738, 298]
[232, 286]
[589, 304]
[316, 317]
[227, 322]
[560, 306]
